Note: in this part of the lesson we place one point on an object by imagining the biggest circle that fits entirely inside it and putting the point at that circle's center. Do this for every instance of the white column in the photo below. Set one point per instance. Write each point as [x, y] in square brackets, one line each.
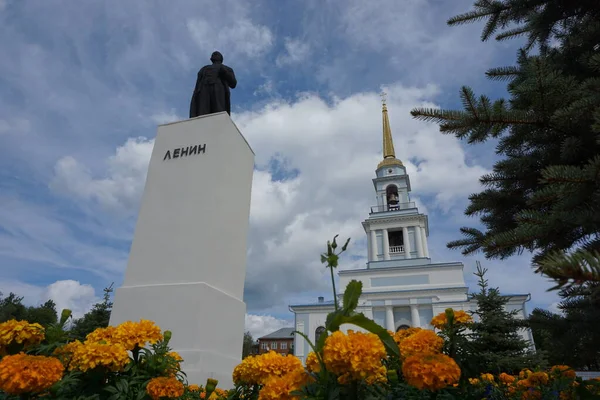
[389, 318]
[414, 316]
[419, 240]
[406, 241]
[386, 245]
[373, 245]
[424, 241]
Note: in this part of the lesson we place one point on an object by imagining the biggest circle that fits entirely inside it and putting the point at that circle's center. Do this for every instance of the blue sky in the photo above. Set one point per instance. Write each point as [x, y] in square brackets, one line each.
[83, 86]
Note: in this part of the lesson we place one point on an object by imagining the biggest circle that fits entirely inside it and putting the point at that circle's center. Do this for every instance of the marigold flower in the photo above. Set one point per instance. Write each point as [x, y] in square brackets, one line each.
[65, 353]
[474, 381]
[524, 374]
[538, 378]
[257, 369]
[20, 332]
[460, 318]
[422, 342]
[107, 335]
[131, 334]
[23, 373]
[563, 370]
[280, 387]
[194, 388]
[430, 371]
[162, 387]
[404, 333]
[506, 378]
[487, 378]
[355, 356]
[312, 362]
[91, 355]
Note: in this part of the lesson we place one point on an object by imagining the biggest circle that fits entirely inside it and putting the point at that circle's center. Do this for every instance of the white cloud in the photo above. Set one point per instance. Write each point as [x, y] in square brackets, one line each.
[126, 176]
[335, 147]
[261, 325]
[296, 51]
[67, 294]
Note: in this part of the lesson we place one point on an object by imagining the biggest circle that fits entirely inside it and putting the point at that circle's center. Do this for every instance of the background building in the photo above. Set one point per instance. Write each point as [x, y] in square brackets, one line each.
[402, 287]
[280, 341]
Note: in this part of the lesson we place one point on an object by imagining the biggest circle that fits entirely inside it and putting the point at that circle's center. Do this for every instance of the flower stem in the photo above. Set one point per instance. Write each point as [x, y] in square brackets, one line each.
[335, 300]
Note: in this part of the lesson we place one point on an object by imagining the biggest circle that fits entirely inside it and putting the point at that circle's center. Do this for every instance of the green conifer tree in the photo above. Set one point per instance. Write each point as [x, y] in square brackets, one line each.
[543, 194]
[496, 344]
[97, 317]
[572, 337]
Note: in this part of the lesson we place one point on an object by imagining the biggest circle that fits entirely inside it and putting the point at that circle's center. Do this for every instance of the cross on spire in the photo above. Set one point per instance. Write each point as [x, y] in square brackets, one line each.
[383, 98]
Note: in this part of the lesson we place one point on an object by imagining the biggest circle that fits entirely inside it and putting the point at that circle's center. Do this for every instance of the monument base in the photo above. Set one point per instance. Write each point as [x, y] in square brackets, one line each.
[207, 325]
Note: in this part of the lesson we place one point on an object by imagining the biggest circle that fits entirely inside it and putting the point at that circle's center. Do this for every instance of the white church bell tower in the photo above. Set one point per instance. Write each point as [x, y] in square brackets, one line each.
[395, 229]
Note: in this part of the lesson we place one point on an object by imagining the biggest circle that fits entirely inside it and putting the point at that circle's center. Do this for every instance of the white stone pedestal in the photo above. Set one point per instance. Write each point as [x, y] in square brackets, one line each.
[187, 263]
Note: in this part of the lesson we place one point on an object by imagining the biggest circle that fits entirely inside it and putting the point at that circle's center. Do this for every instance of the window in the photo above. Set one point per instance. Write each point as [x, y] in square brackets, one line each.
[273, 345]
[318, 332]
[391, 194]
[283, 346]
[263, 345]
[402, 327]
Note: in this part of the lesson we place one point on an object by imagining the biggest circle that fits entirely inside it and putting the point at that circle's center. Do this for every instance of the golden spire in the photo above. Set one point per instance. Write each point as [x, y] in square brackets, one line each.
[389, 155]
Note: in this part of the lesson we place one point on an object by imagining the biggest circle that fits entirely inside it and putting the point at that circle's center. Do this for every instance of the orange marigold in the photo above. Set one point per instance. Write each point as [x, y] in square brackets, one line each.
[280, 387]
[422, 342]
[430, 371]
[107, 335]
[91, 355]
[538, 378]
[162, 387]
[404, 333]
[193, 388]
[487, 378]
[506, 378]
[21, 373]
[563, 370]
[355, 356]
[20, 332]
[258, 369]
[460, 317]
[312, 362]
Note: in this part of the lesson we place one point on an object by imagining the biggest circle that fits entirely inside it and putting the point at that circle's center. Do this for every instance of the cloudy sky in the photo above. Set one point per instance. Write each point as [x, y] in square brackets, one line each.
[84, 84]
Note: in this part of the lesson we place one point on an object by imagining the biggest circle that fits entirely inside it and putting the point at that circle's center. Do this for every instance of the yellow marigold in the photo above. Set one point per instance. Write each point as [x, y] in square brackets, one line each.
[108, 335]
[524, 374]
[164, 387]
[563, 370]
[460, 317]
[312, 362]
[22, 373]
[474, 381]
[65, 353]
[193, 388]
[131, 334]
[257, 369]
[422, 342]
[280, 387]
[487, 378]
[355, 356]
[20, 332]
[404, 333]
[430, 371]
[506, 378]
[91, 355]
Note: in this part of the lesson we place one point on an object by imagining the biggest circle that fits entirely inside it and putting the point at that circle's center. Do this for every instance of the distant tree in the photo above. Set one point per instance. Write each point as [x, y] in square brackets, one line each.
[572, 338]
[496, 344]
[12, 307]
[97, 317]
[247, 346]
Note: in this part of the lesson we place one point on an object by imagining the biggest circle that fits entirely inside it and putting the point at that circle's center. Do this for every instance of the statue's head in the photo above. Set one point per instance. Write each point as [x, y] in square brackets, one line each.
[216, 57]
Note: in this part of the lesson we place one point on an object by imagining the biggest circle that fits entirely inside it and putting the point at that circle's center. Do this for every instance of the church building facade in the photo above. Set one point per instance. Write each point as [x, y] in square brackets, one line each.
[402, 287]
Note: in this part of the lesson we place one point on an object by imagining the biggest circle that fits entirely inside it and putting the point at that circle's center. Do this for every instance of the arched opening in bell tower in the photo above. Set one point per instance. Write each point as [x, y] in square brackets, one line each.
[391, 195]
[396, 240]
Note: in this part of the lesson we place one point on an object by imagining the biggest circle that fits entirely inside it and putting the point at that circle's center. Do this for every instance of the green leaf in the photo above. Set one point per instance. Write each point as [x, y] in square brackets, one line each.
[351, 296]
